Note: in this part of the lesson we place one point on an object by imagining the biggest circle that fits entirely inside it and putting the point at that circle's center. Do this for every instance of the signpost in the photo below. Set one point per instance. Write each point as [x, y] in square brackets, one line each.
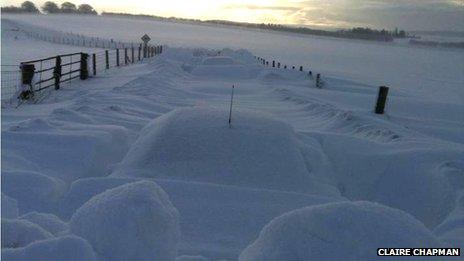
[145, 39]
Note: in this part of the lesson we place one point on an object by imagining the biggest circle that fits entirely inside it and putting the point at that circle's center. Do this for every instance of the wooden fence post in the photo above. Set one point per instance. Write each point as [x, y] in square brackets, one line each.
[57, 72]
[140, 50]
[27, 74]
[94, 64]
[273, 64]
[381, 100]
[107, 59]
[318, 80]
[125, 56]
[278, 65]
[117, 57]
[84, 71]
[133, 54]
[301, 68]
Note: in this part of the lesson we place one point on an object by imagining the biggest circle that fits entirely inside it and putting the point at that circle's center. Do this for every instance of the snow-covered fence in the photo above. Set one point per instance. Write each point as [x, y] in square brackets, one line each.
[42, 74]
[10, 80]
[69, 38]
[381, 97]
[277, 64]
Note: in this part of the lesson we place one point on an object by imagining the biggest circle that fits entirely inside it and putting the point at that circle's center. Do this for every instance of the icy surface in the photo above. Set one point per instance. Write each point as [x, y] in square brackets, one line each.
[131, 222]
[338, 231]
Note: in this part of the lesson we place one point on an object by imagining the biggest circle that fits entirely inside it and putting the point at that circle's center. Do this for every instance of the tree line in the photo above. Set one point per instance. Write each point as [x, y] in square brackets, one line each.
[50, 7]
[354, 33]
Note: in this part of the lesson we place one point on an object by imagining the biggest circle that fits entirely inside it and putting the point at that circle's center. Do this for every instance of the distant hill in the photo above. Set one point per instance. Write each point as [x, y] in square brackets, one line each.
[354, 33]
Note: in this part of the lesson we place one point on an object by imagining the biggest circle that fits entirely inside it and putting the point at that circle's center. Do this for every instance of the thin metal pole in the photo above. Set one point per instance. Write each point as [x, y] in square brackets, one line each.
[231, 102]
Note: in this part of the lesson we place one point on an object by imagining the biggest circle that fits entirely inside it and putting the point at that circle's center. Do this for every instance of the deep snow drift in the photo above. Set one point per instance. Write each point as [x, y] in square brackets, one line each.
[67, 248]
[361, 227]
[79, 168]
[197, 144]
[131, 222]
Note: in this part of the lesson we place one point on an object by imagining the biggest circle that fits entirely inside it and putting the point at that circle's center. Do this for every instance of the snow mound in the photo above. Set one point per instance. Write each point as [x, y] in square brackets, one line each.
[241, 55]
[49, 222]
[218, 60]
[451, 229]
[191, 258]
[89, 149]
[9, 207]
[226, 219]
[19, 233]
[135, 221]
[68, 248]
[32, 190]
[83, 190]
[338, 231]
[197, 144]
[405, 178]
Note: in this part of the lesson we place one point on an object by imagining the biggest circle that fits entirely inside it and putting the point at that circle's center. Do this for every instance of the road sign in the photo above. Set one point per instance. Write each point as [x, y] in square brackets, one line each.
[146, 38]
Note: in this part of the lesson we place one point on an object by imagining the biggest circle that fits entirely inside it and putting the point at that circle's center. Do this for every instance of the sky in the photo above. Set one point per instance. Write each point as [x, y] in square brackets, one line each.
[405, 14]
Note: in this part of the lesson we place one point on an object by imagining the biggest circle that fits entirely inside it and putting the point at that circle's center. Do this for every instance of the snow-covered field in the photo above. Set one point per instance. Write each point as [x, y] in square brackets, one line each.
[141, 163]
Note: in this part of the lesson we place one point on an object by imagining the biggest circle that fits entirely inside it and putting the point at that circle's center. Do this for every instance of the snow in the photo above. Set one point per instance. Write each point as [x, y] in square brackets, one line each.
[218, 60]
[291, 145]
[69, 248]
[131, 222]
[451, 229]
[197, 144]
[191, 258]
[94, 148]
[20, 233]
[338, 231]
[211, 232]
[434, 74]
[49, 222]
[32, 190]
[9, 207]
[16, 46]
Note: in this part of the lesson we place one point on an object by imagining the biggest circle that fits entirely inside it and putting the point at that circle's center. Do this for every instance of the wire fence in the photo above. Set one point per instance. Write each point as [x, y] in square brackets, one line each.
[30, 78]
[10, 81]
[70, 38]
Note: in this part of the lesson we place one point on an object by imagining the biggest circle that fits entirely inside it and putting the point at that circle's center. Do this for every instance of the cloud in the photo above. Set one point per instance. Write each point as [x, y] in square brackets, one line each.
[262, 7]
[407, 14]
